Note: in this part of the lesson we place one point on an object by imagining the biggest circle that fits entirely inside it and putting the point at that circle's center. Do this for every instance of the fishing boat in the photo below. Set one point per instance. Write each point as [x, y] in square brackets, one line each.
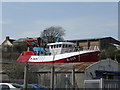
[59, 52]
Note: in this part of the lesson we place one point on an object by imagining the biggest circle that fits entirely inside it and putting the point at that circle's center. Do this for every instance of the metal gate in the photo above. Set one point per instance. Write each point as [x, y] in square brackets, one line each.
[102, 83]
[115, 84]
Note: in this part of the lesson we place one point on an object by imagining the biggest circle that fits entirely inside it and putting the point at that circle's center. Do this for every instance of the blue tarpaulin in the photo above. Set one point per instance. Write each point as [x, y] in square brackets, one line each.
[38, 49]
[33, 43]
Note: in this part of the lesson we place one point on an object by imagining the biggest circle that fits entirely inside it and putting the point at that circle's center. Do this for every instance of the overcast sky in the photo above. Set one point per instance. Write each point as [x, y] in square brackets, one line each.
[81, 20]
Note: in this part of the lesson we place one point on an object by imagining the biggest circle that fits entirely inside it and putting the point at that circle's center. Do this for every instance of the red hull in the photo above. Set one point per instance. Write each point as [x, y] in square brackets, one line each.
[86, 57]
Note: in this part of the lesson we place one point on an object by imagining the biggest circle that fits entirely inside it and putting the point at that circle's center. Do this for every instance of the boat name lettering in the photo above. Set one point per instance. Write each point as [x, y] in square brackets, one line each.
[33, 58]
[71, 58]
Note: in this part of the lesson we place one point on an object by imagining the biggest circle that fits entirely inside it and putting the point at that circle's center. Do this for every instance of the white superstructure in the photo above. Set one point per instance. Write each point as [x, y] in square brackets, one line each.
[61, 47]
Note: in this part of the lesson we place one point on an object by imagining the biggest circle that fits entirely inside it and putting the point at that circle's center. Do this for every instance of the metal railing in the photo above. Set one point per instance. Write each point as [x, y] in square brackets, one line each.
[102, 83]
[111, 84]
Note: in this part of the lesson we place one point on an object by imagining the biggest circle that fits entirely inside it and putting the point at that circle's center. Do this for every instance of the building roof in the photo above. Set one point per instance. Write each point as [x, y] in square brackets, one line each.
[111, 40]
[92, 39]
[59, 67]
[11, 40]
[8, 41]
[62, 67]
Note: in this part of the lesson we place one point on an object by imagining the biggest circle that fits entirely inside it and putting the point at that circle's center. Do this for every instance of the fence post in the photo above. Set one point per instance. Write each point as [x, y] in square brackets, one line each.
[101, 83]
[73, 77]
[25, 76]
[52, 77]
[52, 73]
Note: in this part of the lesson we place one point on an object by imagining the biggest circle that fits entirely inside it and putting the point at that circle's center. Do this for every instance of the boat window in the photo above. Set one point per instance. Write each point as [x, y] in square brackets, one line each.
[70, 45]
[59, 45]
[54, 46]
[63, 45]
[66, 45]
[51, 46]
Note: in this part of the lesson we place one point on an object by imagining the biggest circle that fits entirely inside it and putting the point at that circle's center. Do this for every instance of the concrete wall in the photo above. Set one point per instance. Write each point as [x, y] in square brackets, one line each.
[79, 77]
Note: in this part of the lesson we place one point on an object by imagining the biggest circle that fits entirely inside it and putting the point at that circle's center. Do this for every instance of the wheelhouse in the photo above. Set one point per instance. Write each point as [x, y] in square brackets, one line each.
[61, 47]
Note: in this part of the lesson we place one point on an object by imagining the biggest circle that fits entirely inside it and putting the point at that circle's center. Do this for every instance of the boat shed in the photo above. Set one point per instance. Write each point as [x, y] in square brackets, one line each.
[97, 43]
